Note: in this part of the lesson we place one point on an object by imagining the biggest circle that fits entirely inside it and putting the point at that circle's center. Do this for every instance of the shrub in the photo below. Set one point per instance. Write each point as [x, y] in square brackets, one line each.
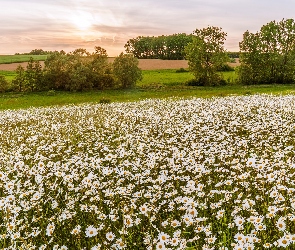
[181, 70]
[225, 67]
[3, 84]
[104, 100]
[202, 82]
[126, 70]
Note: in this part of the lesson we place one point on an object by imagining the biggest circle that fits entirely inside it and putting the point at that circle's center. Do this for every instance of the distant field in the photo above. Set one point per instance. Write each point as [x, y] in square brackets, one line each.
[9, 75]
[6, 59]
[163, 77]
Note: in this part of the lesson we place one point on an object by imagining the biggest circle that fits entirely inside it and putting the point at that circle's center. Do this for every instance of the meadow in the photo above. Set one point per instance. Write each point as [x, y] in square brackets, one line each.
[198, 173]
[160, 83]
[160, 166]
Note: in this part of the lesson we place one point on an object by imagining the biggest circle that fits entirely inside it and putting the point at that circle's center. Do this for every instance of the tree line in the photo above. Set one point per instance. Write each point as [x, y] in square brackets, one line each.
[266, 57]
[39, 52]
[77, 71]
[170, 47]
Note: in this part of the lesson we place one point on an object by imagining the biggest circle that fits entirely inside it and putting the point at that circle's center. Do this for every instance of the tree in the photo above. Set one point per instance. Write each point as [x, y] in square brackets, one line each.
[126, 70]
[78, 70]
[19, 81]
[169, 47]
[206, 54]
[33, 75]
[3, 84]
[268, 56]
[56, 74]
[101, 69]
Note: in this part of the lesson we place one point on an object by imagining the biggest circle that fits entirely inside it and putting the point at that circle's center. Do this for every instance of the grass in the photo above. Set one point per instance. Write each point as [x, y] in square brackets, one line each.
[164, 77]
[43, 99]
[9, 75]
[155, 84]
[6, 59]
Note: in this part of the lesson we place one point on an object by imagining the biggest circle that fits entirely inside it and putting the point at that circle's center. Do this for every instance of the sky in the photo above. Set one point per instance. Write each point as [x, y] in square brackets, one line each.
[70, 24]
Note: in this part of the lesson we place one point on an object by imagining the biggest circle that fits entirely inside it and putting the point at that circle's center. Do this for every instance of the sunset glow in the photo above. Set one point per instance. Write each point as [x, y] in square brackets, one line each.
[82, 20]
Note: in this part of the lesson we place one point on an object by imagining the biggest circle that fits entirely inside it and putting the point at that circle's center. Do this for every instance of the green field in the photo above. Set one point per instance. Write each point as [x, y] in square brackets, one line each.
[155, 84]
[42, 99]
[9, 75]
[6, 59]
[164, 77]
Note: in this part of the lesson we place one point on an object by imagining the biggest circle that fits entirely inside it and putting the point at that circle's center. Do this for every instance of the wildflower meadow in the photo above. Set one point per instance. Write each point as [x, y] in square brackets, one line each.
[214, 173]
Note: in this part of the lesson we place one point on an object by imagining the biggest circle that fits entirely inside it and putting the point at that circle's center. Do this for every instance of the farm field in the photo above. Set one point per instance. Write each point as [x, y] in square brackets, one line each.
[144, 64]
[9, 59]
[216, 173]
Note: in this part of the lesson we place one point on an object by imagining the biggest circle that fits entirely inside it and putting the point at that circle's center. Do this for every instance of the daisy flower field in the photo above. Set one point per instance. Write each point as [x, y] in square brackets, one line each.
[214, 173]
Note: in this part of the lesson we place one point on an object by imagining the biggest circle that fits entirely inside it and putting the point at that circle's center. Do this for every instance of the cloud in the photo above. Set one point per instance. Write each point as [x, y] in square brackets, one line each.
[29, 24]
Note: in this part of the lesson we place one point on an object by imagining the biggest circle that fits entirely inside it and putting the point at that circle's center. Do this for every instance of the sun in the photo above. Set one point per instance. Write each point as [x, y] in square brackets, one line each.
[82, 20]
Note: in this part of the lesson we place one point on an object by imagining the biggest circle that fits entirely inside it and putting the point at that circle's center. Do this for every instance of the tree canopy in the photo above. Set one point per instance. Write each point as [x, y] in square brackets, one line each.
[206, 54]
[169, 47]
[77, 71]
[268, 56]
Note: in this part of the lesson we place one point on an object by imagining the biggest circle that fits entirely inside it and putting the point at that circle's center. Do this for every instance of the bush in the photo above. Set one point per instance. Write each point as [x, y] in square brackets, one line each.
[194, 82]
[202, 82]
[126, 71]
[104, 100]
[181, 70]
[3, 84]
[225, 67]
[51, 92]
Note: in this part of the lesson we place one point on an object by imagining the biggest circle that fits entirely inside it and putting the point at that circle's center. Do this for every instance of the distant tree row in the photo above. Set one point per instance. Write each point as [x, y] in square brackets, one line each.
[37, 52]
[169, 47]
[77, 71]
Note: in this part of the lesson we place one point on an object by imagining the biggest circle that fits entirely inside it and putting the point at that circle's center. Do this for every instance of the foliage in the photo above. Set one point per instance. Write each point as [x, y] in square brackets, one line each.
[101, 76]
[225, 67]
[35, 52]
[20, 80]
[3, 84]
[162, 47]
[206, 55]
[126, 71]
[34, 75]
[268, 56]
[233, 55]
[78, 70]
[181, 70]
[56, 74]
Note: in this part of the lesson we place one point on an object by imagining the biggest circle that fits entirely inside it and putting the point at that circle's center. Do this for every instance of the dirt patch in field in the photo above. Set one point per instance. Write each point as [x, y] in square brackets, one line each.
[13, 66]
[144, 64]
